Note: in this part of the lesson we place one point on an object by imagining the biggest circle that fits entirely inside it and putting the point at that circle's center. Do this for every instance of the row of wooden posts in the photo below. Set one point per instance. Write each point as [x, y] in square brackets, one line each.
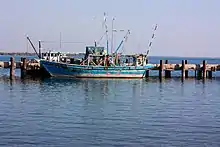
[199, 73]
[23, 67]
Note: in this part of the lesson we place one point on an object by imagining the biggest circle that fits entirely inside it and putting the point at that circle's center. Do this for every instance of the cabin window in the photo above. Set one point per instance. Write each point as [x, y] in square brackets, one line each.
[52, 54]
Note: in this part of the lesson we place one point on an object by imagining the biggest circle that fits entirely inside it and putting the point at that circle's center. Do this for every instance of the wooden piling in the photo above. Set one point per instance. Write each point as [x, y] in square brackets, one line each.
[167, 72]
[183, 69]
[147, 71]
[12, 68]
[23, 67]
[209, 74]
[186, 71]
[161, 69]
[22, 64]
[195, 74]
[198, 71]
[204, 69]
[199, 74]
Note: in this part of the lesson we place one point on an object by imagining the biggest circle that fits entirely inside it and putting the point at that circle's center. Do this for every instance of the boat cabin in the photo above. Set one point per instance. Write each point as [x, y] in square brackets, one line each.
[95, 51]
[98, 56]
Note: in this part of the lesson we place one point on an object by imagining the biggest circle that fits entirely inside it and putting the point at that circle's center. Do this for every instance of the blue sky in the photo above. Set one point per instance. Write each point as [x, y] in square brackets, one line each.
[185, 28]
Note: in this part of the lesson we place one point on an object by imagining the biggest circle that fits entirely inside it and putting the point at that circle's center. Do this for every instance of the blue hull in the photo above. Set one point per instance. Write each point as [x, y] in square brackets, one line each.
[83, 71]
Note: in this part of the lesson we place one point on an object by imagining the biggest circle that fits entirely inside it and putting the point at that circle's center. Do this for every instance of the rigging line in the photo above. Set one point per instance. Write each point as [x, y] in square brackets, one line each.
[101, 38]
[61, 42]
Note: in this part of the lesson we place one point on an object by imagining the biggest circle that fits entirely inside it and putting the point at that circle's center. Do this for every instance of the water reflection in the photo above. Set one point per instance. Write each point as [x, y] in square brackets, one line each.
[137, 92]
[182, 88]
[105, 112]
[95, 88]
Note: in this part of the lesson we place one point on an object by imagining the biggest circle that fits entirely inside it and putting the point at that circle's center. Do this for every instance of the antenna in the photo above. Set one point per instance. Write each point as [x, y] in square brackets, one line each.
[60, 40]
[150, 44]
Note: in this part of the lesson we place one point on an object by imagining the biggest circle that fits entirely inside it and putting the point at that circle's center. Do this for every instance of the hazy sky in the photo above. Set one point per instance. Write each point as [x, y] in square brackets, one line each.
[185, 27]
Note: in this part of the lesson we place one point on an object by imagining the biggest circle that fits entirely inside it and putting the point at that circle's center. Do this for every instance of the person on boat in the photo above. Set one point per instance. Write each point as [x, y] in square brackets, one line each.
[126, 61]
[107, 63]
[104, 52]
[134, 60]
[119, 61]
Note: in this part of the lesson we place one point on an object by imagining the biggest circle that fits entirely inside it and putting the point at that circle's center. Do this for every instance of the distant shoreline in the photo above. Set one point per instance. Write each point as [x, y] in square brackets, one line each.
[30, 54]
[73, 54]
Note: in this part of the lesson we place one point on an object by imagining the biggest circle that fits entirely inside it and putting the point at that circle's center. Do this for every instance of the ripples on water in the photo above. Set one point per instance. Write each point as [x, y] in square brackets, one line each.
[85, 112]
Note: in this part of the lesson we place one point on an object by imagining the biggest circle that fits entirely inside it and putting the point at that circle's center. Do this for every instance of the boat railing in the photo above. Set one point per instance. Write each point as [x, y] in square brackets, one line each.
[114, 60]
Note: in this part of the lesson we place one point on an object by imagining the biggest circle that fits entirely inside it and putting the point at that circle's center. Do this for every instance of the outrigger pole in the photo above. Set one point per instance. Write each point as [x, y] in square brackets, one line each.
[150, 44]
[33, 46]
[124, 39]
[39, 47]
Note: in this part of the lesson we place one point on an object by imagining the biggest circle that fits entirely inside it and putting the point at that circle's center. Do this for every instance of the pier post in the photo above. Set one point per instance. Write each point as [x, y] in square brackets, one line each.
[12, 68]
[195, 73]
[183, 69]
[167, 72]
[210, 74]
[199, 71]
[23, 67]
[199, 74]
[161, 69]
[147, 71]
[186, 71]
[204, 69]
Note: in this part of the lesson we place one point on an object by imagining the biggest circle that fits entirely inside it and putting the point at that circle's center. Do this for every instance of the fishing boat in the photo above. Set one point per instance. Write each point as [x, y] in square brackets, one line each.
[99, 63]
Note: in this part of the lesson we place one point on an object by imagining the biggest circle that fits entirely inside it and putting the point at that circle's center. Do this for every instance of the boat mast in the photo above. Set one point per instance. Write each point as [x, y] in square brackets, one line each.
[106, 30]
[112, 35]
[150, 44]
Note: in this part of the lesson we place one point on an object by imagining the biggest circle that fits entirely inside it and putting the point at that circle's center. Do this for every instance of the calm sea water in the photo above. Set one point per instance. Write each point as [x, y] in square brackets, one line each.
[98, 112]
